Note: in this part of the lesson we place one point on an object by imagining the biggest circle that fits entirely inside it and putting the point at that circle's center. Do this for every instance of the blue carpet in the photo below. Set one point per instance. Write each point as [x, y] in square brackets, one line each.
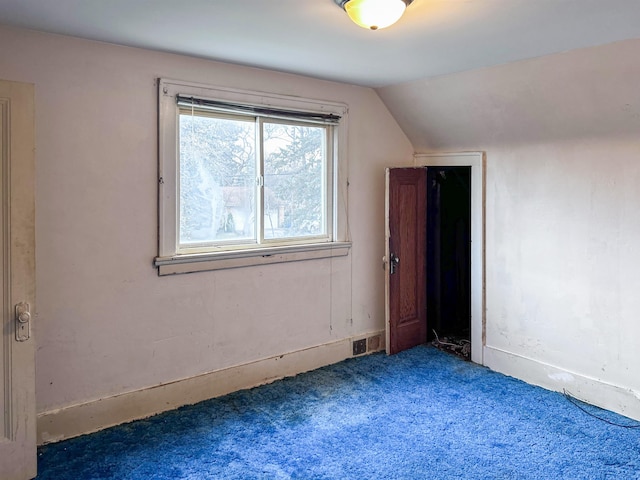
[419, 414]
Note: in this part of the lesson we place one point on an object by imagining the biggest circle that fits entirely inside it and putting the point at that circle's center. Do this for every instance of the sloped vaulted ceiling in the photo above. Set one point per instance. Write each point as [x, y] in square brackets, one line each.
[576, 96]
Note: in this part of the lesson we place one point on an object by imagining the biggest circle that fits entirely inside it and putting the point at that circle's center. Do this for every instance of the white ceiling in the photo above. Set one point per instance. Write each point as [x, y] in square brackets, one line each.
[316, 38]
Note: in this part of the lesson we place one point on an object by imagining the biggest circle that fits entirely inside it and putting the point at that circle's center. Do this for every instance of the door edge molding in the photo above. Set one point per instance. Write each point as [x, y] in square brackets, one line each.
[477, 162]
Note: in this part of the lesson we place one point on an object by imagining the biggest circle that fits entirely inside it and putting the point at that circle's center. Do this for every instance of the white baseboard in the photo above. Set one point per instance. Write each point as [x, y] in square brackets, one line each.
[618, 399]
[89, 417]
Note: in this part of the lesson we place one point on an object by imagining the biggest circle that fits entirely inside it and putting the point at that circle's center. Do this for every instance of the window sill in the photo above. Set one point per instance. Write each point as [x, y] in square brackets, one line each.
[203, 262]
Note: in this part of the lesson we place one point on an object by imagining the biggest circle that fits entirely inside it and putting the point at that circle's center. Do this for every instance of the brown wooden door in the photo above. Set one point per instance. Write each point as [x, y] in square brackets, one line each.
[406, 219]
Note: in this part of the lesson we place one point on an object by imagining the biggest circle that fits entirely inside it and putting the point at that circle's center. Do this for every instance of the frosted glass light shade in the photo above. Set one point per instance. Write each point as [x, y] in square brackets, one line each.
[375, 14]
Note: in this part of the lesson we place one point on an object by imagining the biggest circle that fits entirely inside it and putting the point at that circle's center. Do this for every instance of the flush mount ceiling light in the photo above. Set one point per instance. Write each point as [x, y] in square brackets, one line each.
[374, 14]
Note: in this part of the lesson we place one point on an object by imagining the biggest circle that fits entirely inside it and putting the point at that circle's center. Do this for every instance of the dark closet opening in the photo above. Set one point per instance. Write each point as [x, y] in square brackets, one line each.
[449, 258]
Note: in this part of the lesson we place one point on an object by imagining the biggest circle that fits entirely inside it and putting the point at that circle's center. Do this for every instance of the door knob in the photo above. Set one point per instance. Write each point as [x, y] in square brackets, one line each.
[23, 317]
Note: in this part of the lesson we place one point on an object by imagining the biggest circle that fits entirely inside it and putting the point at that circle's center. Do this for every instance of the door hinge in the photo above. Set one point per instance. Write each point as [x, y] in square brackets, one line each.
[23, 322]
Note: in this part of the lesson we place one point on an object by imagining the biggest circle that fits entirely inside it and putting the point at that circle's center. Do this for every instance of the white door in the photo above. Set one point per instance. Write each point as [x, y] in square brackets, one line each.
[18, 458]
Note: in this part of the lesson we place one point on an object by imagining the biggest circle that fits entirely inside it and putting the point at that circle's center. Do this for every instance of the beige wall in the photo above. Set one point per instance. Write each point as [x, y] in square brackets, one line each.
[106, 323]
[561, 136]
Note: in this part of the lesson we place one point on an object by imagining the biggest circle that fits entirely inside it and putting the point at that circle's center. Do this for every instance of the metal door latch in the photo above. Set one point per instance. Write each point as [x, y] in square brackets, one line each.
[23, 322]
[393, 263]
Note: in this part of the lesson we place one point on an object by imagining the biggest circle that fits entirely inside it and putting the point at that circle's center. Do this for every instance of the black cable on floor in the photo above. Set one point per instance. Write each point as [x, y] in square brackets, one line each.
[575, 401]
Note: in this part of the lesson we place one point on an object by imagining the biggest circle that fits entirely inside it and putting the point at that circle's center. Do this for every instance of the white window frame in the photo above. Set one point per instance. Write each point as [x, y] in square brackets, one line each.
[172, 260]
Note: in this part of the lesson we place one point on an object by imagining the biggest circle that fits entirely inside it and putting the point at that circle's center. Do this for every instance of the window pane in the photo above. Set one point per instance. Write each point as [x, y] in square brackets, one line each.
[294, 181]
[217, 179]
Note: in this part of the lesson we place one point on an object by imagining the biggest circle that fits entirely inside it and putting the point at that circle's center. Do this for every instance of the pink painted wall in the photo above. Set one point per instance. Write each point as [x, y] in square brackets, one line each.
[106, 323]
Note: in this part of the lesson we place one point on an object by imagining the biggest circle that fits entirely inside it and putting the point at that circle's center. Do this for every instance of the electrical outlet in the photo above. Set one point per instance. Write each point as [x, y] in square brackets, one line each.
[359, 347]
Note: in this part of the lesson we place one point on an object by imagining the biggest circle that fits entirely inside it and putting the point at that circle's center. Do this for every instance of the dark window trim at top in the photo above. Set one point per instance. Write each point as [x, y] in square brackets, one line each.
[245, 109]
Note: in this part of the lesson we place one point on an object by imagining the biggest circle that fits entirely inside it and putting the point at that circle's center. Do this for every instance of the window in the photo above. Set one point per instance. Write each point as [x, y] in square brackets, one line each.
[247, 178]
